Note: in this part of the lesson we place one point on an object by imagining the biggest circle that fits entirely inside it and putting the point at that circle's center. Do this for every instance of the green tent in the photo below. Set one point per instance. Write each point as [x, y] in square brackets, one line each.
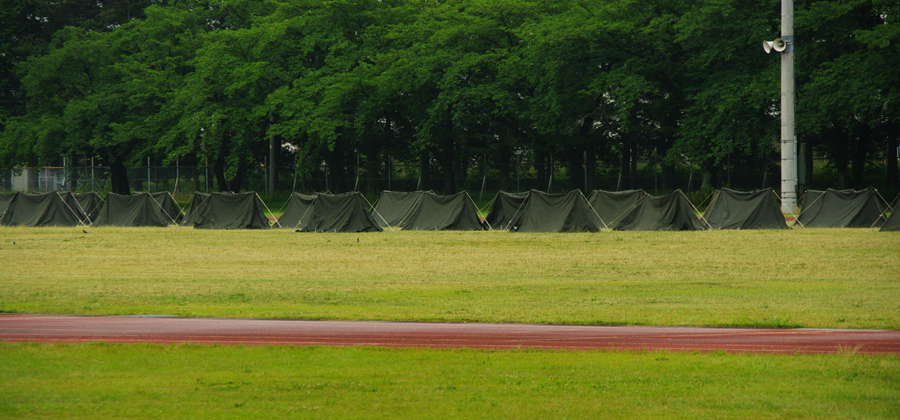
[328, 213]
[196, 200]
[542, 212]
[892, 224]
[47, 209]
[170, 208]
[72, 203]
[758, 209]
[90, 203]
[298, 212]
[393, 205]
[133, 210]
[614, 206]
[5, 199]
[232, 211]
[669, 212]
[504, 208]
[841, 209]
[442, 212]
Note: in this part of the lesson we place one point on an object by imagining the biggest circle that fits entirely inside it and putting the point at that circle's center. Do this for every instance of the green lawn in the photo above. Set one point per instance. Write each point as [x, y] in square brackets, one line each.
[828, 278]
[813, 278]
[148, 381]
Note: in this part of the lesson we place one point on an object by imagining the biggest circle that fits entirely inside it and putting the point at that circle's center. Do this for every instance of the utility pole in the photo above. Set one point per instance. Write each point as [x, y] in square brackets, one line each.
[788, 138]
[785, 45]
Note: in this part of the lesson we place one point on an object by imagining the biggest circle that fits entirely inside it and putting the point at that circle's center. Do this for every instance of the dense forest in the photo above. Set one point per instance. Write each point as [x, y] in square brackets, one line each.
[443, 84]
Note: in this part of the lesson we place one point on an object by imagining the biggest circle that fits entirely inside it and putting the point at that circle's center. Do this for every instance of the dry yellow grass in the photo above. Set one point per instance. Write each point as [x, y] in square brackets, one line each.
[814, 278]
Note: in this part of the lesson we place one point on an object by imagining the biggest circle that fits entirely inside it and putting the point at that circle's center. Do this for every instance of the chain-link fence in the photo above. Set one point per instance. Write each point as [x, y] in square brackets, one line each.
[479, 179]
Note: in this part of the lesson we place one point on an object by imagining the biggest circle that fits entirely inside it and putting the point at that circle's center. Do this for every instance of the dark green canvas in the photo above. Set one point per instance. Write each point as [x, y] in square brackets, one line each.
[614, 206]
[544, 212]
[892, 224]
[72, 203]
[841, 209]
[232, 211]
[758, 209]
[393, 205]
[47, 209]
[442, 212]
[4, 202]
[298, 212]
[328, 213]
[191, 215]
[170, 208]
[504, 208]
[90, 203]
[134, 210]
[670, 212]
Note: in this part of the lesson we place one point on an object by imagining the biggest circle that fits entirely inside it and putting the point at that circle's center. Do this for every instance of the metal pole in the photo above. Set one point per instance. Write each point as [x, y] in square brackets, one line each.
[148, 175]
[177, 174]
[271, 158]
[788, 139]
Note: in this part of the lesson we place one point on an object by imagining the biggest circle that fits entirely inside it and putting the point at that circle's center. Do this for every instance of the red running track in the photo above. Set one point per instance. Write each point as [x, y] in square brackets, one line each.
[170, 330]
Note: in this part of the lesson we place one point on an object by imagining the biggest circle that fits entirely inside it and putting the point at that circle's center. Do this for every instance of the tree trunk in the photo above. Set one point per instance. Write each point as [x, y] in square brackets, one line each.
[840, 153]
[576, 167]
[709, 174]
[447, 160]
[337, 172]
[808, 158]
[859, 156]
[118, 177]
[424, 171]
[238, 181]
[891, 176]
[219, 171]
[591, 167]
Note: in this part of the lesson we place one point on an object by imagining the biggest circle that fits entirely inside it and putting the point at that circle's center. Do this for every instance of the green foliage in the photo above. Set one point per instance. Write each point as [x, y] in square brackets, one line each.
[821, 278]
[189, 381]
[447, 82]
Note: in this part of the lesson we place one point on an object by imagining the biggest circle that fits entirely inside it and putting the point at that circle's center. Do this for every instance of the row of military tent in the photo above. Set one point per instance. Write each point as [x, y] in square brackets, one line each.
[536, 211]
[74, 209]
[49, 209]
[841, 208]
[532, 211]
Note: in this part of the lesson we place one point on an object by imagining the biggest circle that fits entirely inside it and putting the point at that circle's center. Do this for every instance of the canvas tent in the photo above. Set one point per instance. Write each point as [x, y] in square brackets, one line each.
[669, 212]
[191, 214]
[442, 212]
[614, 206]
[503, 209]
[328, 213]
[47, 209]
[892, 224]
[170, 208]
[72, 203]
[637, 210]
[841, 209]
[231, 211]
[4, 202]
[90, 203]
[393, 205]
[758, 209]
[133, 210]
[542, 212]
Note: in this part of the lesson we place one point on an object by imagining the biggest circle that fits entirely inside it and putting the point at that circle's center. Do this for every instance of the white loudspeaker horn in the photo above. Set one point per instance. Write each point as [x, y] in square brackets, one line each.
[778, 45]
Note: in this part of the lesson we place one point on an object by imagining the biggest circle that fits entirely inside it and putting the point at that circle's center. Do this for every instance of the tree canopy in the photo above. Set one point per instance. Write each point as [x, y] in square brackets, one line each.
[450, 82]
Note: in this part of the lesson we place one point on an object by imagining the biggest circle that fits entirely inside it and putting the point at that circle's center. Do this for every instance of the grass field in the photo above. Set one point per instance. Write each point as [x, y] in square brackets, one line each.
[812, 278]
[824, 278]
[148, 381]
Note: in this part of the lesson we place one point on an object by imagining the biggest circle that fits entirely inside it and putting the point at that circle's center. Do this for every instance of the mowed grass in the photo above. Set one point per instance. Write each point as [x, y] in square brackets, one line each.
[148, 381]
[828, 278]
